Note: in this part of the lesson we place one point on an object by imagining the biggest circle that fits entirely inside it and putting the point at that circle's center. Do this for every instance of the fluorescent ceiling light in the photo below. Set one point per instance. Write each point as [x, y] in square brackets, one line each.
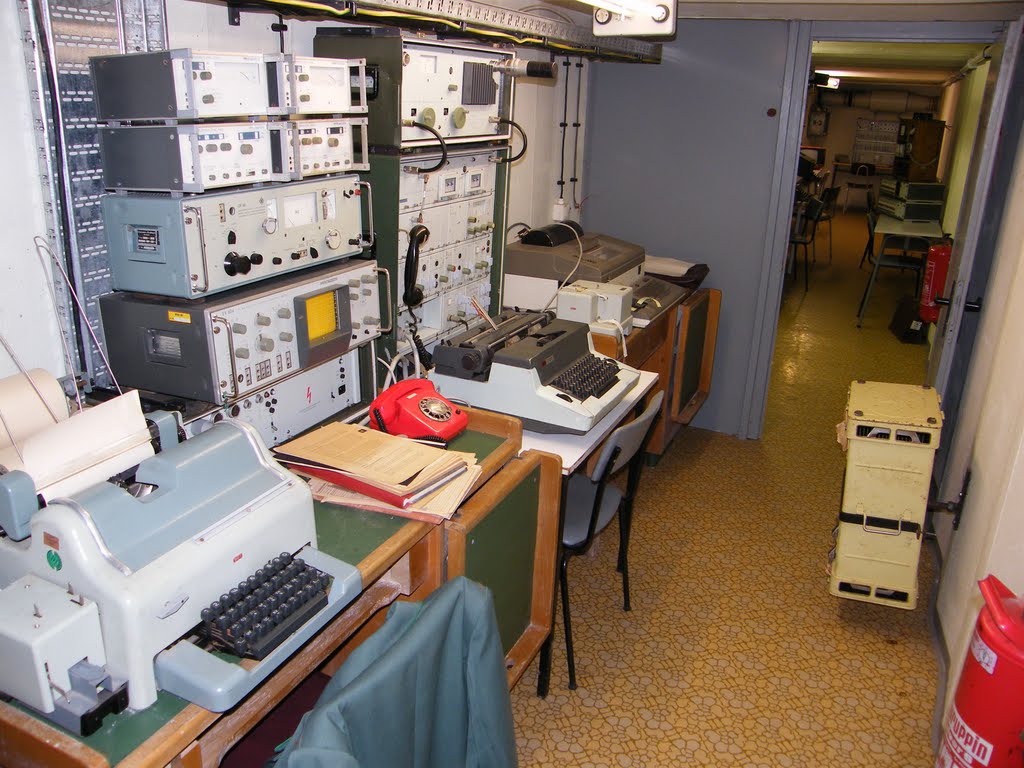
[833, 81]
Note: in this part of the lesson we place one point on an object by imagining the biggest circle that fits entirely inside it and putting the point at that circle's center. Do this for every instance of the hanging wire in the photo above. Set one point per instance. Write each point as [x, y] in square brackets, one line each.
[42, 245]
[563, 125]
[576, 141]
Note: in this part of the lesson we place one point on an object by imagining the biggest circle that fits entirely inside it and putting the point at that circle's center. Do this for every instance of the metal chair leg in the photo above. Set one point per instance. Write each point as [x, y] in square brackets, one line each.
[625, 525]
[807, 271]
[867, 294]
[563, 577]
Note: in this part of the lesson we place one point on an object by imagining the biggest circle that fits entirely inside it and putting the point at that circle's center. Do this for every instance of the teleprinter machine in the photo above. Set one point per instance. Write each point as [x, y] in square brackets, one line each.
[542, 370]
[552, 252]
[106, 591]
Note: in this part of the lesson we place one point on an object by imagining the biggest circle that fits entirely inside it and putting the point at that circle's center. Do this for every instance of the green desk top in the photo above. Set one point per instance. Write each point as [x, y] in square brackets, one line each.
[343, 532]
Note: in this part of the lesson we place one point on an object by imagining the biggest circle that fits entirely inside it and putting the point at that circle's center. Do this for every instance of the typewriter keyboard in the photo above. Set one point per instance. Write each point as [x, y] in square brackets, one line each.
[590, 376]
[261, 612]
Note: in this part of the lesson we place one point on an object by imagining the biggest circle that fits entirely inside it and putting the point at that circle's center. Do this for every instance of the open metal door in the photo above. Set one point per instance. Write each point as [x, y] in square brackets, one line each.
[974, 243]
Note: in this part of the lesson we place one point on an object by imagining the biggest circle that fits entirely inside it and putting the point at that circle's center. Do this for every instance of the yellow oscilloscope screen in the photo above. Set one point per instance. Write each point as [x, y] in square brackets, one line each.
[321, 316]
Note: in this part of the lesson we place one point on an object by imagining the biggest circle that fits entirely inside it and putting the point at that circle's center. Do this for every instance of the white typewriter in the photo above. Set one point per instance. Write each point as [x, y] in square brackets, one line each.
[125, 570]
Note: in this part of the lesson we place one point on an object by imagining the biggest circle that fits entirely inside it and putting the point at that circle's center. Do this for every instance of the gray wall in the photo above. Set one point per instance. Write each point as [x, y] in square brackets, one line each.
[680, 159]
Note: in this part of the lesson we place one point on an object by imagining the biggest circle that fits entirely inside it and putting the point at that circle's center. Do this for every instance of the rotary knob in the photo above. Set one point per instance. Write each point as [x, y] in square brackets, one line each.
[333, 239]
[234, 264]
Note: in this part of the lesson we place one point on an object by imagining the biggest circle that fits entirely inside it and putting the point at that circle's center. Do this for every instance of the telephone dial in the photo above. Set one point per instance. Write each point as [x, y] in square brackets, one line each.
[413, 408]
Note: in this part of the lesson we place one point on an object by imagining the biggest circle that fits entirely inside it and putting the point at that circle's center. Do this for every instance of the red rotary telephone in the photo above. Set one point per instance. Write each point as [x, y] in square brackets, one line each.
[413, 408]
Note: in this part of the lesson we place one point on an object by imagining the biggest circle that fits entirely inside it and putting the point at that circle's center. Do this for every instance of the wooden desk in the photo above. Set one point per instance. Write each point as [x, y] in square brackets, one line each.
[397, 558]
[889, 225]
[183, 734]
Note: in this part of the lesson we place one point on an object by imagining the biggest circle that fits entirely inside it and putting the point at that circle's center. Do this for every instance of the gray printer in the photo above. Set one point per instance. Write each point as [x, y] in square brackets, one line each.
[551, 252]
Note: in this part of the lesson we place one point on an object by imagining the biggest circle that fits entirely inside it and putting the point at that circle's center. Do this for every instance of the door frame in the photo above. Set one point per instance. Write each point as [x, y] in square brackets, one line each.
[791, 113]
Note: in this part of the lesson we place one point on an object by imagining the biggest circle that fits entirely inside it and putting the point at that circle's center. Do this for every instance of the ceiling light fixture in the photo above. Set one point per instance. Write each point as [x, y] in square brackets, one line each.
[633, 18]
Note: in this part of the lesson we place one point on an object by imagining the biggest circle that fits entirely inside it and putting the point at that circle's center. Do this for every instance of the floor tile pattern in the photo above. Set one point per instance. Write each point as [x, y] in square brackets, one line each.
[734, 653]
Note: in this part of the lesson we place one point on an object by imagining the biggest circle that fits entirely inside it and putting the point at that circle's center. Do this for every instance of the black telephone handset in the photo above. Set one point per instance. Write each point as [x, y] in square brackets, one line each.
[413, 294]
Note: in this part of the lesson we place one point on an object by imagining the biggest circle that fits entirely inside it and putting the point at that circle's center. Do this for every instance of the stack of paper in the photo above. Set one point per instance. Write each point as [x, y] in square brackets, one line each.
[360, 467]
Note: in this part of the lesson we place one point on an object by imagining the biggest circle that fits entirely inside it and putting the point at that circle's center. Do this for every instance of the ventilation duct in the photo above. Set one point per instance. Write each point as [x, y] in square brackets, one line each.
[881, 101]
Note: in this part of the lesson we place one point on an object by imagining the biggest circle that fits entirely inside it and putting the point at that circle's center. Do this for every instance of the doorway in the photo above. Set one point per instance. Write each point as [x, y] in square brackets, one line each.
[978, 165]
[863, 99]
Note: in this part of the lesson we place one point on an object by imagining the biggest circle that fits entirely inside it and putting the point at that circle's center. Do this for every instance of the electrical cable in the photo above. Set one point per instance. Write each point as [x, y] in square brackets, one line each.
[563, 125]
[461, 27]
[579, 260]
[518, 127]
[546, 9]
[444, 149]
[622, 335]
[40, 243]
[510, 227]
[576, 140]
[56, 311]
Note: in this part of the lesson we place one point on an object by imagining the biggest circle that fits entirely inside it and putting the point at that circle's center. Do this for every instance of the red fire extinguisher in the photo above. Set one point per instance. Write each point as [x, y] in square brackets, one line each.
[935, 269]
[986, 723]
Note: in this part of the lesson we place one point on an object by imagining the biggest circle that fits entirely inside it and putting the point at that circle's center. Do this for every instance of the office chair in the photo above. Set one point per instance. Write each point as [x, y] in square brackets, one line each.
[808, 228]
[828, 212]
[591, 502]
[861, 170]
[910, 253]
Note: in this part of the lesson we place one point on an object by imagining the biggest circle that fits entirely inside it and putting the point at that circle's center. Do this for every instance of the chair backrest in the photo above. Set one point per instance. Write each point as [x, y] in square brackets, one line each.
[829, 197]
[812, 215]
[628, 439]
[864, 169]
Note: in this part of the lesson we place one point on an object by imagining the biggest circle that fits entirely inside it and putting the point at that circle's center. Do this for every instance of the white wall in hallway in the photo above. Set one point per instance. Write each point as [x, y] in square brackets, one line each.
[27, 319]
[989, 539]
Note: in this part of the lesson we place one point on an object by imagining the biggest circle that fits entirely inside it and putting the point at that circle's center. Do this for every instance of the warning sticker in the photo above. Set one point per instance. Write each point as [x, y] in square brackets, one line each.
[984, 655]
[179, 317]
[962, 746]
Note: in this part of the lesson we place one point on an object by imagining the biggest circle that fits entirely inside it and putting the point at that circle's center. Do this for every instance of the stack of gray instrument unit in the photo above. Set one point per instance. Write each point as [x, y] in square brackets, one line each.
[911, 200]
[440, 136]
[204, 207]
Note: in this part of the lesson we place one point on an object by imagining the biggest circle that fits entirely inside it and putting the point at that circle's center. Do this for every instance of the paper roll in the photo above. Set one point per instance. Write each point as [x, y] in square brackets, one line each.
[26, 411]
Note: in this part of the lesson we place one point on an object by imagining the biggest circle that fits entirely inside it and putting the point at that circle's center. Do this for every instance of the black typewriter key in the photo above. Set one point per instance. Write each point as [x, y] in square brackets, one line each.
[207, 614]
[277, 616]
[240, 647]
[300, 562]
[234, 595]
[225, 601]
[286, 557]
[222, 623]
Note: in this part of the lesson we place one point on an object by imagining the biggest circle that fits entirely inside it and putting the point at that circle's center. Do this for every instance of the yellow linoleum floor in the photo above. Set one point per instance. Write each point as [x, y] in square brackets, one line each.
[734, 653]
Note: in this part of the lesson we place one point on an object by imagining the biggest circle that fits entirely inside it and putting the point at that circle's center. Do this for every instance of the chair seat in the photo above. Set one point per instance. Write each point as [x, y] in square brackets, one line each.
[580, 503]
